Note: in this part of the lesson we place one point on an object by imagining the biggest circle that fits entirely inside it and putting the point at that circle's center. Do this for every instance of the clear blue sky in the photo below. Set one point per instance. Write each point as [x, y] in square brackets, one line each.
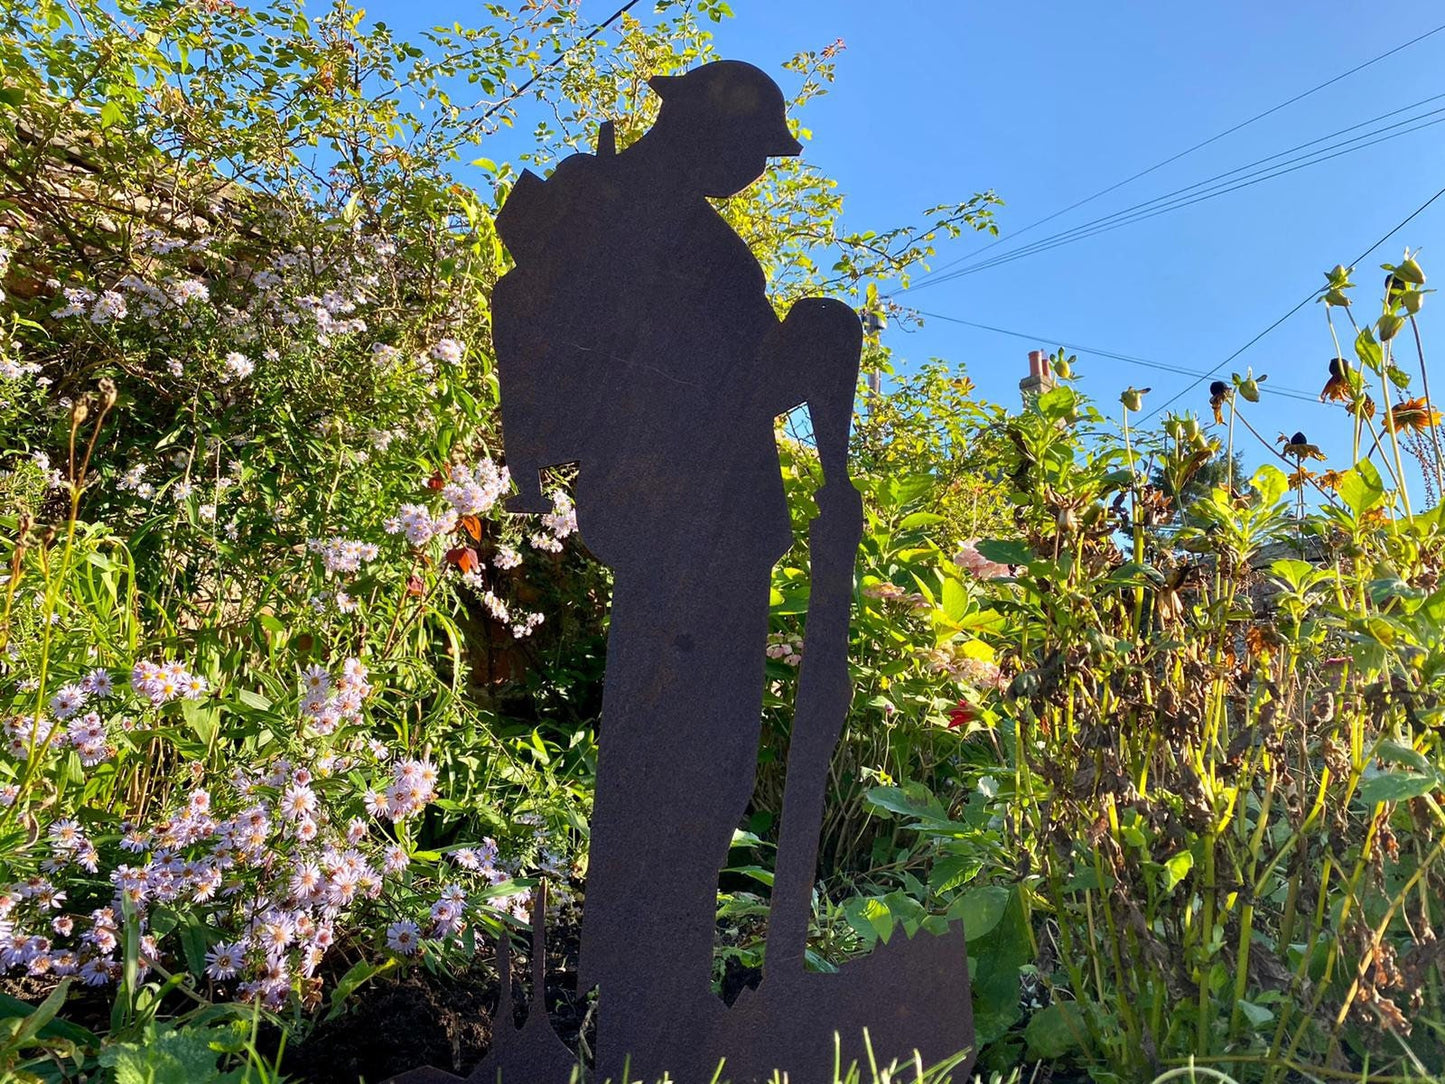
[1051, 101]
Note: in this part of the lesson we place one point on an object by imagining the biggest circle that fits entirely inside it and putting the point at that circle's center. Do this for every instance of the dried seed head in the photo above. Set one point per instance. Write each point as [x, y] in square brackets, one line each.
[107, 392]
[80, 411]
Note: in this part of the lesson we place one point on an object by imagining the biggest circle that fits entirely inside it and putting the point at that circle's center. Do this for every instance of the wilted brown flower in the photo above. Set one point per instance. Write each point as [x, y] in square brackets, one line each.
[1218, 396]
[1300, 447]
[1259, 641]
[1337, 388]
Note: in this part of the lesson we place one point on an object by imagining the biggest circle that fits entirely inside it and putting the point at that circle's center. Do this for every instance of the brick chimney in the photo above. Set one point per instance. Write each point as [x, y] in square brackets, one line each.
[1040, 378]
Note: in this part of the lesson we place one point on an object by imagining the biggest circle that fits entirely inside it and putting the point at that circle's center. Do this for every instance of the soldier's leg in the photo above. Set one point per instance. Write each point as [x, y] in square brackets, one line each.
[678, 751]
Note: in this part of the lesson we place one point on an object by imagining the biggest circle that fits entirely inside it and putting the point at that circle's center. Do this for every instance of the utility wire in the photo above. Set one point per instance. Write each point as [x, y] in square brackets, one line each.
[1148, 363]
[1308, 298]
[1209, 189]
[1250, 166]
[1225, 191]
[603, 25]
[1198, 146]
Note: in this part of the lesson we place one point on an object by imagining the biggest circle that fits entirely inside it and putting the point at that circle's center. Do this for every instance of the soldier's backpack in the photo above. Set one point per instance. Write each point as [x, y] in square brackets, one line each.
[545, 312]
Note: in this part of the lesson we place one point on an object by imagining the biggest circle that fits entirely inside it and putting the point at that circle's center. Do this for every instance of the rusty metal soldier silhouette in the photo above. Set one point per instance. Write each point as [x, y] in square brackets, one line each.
[635, 338]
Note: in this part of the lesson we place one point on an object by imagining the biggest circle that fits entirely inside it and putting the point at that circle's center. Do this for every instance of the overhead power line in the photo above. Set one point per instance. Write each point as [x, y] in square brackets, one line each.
[1244, 176]
[1147, 363]
[1190, 150]
[1308, 298]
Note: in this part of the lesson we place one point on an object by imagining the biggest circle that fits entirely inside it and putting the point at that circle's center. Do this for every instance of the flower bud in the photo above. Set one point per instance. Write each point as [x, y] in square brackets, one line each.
[1133, 398]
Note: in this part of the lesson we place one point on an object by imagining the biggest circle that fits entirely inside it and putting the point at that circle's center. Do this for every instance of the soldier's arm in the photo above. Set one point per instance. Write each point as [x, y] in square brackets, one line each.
[818, 349]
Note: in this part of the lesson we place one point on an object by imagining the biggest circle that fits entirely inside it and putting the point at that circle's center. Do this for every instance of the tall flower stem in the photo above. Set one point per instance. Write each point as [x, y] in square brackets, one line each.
[1429, 409]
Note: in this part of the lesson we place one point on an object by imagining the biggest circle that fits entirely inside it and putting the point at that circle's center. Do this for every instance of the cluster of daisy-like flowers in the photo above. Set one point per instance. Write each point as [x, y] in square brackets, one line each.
[471, 493]
[412, 786]
[272, 878]
[560, 523]
[343, 555]
[236, 366]
[208, 493]
[54, 477]
[447, 351]
[73, 723]
[249, 302]
[327, 704]
[474, 491]
[271, 863]
[174, 301]
[160, 683]
[419, 525]
[447, 916]
[277, 297]
[12, 368]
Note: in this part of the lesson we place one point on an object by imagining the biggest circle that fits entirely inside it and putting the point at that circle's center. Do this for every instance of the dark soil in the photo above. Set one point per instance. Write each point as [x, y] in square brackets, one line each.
[446, 1021]
[421, 1019]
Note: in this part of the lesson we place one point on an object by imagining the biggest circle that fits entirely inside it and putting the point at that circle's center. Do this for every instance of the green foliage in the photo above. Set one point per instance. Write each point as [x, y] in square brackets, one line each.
[166, 1055]
[1165, 739]
[244, 352]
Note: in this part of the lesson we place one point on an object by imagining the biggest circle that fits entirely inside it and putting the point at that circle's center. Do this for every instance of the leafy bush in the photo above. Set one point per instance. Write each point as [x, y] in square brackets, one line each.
[289, 704]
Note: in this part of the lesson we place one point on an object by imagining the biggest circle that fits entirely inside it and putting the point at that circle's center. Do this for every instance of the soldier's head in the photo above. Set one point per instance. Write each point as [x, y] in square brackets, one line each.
[721, 123]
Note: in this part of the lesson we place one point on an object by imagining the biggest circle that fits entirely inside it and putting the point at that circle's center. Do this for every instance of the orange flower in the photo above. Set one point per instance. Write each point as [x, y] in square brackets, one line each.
[1413, 414]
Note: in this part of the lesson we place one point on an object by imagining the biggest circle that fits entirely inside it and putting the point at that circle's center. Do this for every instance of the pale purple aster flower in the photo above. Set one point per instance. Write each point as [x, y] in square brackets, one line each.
[403, 937]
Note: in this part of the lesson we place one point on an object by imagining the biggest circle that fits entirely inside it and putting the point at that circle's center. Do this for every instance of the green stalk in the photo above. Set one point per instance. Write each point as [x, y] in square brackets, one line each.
[1357, 416]
[1206, 936]
[1136, 524]
[1389, 423]
[1246, 914]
